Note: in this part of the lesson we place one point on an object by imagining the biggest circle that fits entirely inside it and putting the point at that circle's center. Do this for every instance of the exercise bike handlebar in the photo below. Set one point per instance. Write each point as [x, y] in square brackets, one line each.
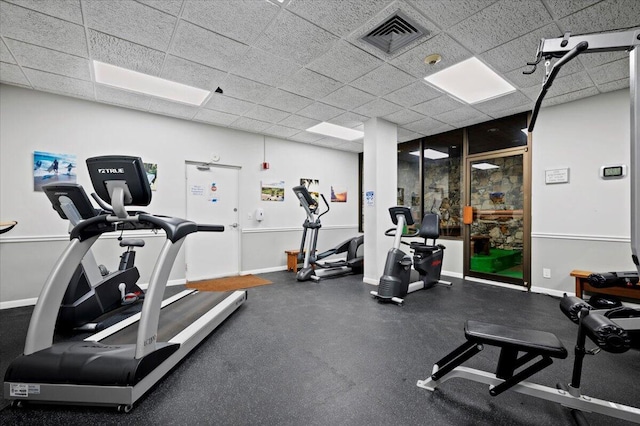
[555, 69]
[326, 205]
[103, 204]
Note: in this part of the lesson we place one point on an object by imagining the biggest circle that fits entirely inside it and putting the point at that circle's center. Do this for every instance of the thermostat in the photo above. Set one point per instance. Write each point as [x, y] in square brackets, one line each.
[613, 172]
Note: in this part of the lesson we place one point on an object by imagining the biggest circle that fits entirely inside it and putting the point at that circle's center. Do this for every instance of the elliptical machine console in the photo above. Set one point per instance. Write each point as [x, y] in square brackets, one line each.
[395, 282]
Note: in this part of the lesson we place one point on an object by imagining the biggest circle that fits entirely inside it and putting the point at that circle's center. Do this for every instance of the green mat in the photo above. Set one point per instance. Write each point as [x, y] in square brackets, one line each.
[497, 260]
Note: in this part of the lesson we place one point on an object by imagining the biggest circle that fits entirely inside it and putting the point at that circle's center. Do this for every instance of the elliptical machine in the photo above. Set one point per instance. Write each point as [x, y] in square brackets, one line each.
[312, 269]
[395, 282]
[93, 291]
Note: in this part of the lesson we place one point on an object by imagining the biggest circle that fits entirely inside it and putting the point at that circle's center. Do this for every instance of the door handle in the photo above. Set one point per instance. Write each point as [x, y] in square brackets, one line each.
[234, 225]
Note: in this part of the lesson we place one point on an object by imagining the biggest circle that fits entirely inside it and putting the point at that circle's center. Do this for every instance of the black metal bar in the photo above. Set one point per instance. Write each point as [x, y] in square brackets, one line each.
[527, 372]
[465, 351]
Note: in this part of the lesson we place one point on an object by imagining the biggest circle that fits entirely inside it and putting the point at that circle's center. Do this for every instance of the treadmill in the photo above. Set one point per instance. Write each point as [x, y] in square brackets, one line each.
[117, 366]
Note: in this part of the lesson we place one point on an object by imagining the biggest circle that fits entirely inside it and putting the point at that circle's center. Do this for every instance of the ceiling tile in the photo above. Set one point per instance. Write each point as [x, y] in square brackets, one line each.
[5, 55]
[241, 20]
[286, 101]
[12, 74]
[465, 114]
[130, 21]
[351, 146]
[483, 31]
[35, 28]
[320, 111]
[377, 108]
[115, 96]
[349, 119]
[338, 17]
[345, 62]
[347, 97]
[569, 97]
[413, 60]
[562, 85]
[511, 100]
[115, 51]
[413, 94]
[281, 131]
[248, 90]
[250, 124]
[517, 52]
[172, 7]
[69, 10]
[310, 84]
[263, 113]
[205, 47]
[446, 13]
[191, 73]
[513, 110]
[614, 85]
[298, 122]
[403, 116]
[31, 56]
[561, 8]
[215, 117]
[289, 36]
[384, 79]
[423, 126]
[405, 135]
[329, 142]
[593, 60]
[306, 137]
[437, 106]
[264, 67]
[228, 105]
[393, 7]
[60, 84]
[604, 16]
[610, 72]
[173, 109]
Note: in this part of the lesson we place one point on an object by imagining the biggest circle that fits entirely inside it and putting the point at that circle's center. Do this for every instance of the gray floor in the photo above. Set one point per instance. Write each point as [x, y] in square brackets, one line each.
[327, 354]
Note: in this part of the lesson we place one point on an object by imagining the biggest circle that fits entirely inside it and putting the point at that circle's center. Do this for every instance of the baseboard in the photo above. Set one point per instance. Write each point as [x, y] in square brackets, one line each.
[33, 300]
[452, 274]
[496, 283]
[551, 292]
[264, 270]
[370, 281]
[18, 303]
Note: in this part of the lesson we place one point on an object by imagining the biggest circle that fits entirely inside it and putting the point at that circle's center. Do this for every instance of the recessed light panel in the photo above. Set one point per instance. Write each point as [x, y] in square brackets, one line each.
[485, 166]
[335, 131]
[431, 154]
[134, 81]
[470, 81]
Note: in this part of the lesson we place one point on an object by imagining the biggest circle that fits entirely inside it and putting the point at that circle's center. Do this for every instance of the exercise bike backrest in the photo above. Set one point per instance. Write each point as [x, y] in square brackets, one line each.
[401, 217]
[119, 181]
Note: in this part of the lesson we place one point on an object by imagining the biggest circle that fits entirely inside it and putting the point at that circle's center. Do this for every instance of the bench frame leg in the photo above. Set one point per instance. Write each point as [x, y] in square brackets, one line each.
[580, 402]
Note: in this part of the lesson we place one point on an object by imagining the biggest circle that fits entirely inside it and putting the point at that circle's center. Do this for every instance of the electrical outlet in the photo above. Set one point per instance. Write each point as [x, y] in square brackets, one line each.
[546, 273]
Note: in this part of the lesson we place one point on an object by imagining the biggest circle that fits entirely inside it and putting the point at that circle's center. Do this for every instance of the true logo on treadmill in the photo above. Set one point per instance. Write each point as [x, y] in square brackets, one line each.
[111, 171]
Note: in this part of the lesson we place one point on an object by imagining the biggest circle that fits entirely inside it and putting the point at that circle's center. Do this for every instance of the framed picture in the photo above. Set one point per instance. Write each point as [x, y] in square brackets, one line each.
[272, 191]
[49, 168]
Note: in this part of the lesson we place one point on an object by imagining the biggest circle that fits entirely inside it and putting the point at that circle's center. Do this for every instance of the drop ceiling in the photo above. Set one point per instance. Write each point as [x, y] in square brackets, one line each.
[286, 66]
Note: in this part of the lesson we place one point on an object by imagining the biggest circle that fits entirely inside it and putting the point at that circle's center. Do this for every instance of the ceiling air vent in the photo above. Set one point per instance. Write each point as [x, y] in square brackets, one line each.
[394, 33]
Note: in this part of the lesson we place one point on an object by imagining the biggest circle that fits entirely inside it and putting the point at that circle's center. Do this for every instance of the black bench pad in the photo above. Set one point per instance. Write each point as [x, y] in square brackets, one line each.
[521, 339]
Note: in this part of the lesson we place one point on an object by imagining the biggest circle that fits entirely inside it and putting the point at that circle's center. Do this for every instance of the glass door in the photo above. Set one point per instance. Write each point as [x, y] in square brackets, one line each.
[497, 225]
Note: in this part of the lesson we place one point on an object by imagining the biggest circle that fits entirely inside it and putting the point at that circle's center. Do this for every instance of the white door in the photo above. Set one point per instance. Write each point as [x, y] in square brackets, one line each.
[212, 198]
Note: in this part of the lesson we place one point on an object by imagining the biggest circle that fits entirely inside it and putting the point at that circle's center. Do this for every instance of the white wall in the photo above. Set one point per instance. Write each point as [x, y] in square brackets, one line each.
[584, 224]
[36, 121]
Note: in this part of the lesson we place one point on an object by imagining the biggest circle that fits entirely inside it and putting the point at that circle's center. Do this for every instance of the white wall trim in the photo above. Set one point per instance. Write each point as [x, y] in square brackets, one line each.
[51, 238]
[453, 274]
[370, 281]
[296, 229]
[581, 237]
[496, 283]
[264, 270]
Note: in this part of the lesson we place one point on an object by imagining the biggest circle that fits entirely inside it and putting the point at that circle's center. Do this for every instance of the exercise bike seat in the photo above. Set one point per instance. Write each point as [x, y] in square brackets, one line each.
[132, 243]
[521, 339]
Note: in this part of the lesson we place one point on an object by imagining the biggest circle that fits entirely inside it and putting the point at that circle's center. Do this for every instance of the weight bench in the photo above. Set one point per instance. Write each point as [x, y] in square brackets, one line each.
[519, 348]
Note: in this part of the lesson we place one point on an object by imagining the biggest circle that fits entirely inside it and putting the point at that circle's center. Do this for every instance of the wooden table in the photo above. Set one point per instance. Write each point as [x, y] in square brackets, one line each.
[582, 285]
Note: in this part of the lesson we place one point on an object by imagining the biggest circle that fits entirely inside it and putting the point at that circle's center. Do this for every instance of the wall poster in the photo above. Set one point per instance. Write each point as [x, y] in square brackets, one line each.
[50, 168]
